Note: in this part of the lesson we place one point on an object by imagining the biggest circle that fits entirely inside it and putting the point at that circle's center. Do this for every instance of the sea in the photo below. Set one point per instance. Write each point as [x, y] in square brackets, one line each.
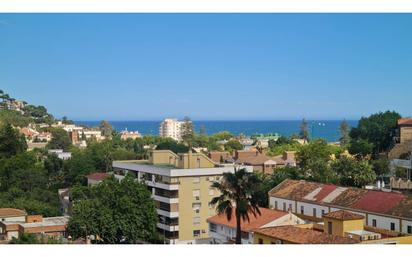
[326, 129]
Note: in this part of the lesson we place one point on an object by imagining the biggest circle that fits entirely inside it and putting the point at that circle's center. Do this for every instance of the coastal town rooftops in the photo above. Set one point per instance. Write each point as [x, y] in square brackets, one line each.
[266, 216]
[389, 203]
[11, 212]
[299, 235]
[343, 215]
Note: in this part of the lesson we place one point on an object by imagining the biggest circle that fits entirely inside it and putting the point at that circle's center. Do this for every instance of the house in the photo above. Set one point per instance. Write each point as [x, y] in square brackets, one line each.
[222, 230]
[60, 154]
[11, 214]
[338, 227]
[43, 137]
[29, 133]
[310, 200]
[96, 178]
[124, 135]
[221, 157]
[405, 130]
[181, 188]
[263, 163]
[52, 227]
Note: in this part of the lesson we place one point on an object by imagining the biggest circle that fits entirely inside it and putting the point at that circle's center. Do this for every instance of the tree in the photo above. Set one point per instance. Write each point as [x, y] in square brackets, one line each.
[381, 166]
[233, 145]
[353, 172]
[116, 212]
[172, 145]
[223, 135]
[304, 131]
[25, 239]
[378, 129]
[314, 159]
[11, 141]
[106, 128]
[360, 147]
[60, 139]
[187, 131]
[344, 133]
[238, 195]
[274, 179]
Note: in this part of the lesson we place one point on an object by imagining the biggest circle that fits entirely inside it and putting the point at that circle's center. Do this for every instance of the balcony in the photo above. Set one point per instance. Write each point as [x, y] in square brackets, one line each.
[170, 228]
[167, 213]
[165, 199]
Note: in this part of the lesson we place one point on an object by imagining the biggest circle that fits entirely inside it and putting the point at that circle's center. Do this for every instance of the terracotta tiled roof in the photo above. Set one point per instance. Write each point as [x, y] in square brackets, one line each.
[405, 121]
[11, 212]
[389, 203]
[349, 197]
[326, 190]
[343, 215]
[299, 235]
[378, 201]
[404, 208]
[294, 189]
[98, 176]
[267, 216]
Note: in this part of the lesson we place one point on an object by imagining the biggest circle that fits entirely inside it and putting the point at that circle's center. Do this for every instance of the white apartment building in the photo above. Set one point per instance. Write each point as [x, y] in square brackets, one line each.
[171, 128]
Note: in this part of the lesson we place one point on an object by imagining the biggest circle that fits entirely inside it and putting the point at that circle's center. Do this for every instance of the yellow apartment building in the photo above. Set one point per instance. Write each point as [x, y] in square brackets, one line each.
[181, 188]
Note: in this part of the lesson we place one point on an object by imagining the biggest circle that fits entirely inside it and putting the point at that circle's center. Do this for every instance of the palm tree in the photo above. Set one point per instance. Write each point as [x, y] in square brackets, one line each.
[239, 195]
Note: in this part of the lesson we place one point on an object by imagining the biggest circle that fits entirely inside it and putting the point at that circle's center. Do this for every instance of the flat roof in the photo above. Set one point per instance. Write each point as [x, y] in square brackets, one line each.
[52, 221]
[362, 232]
[173, 171]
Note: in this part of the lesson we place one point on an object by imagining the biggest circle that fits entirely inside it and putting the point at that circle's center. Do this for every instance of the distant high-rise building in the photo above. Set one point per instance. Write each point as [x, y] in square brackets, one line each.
[171, 128]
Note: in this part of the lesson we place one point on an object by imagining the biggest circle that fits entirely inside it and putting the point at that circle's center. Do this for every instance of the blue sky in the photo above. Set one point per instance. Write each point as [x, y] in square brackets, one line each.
[208, 66]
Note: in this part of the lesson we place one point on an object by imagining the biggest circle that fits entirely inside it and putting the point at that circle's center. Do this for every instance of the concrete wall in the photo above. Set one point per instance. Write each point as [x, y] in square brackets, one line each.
[384, 222]
[308, 209]
[280, 203]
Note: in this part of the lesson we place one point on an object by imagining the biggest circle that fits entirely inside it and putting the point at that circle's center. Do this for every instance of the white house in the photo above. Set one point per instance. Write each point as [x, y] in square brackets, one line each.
[385, 210]
[222, 231]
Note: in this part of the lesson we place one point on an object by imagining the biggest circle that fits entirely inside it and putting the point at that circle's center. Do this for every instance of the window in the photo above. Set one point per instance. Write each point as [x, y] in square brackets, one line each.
[211, 192]
[196, 207]
[196, 180]
[198, 162]
[284, 206]
[290, 207]
[302, 209]
[373, 223]
[260, 241]
[392, 226]
[314, 212]
[409, 228]
[330, 228]
[196, 220]
[196, 193]
[276, 205]
[196, 233]
[323, 212]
